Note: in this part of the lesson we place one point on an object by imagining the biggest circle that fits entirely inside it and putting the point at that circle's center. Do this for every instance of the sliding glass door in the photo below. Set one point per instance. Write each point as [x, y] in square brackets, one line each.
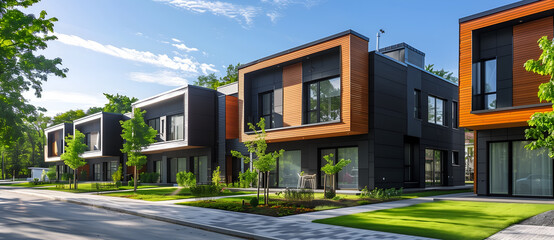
[347, 178]
[498, 171]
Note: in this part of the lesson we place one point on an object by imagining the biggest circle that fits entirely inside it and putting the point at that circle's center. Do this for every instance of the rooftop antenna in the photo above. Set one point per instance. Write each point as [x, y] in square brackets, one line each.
[381, 31]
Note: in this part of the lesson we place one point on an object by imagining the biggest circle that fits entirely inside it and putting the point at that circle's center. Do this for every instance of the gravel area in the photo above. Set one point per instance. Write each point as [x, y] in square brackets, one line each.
[543, 219]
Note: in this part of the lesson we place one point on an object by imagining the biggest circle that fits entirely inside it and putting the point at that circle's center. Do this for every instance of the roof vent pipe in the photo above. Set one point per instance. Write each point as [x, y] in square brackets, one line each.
[381, 31]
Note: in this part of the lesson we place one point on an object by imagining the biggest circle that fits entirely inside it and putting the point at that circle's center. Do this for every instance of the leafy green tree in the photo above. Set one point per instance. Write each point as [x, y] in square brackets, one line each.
[213, 82]
[216, 176]
[331, 169]
[68, 117]
[119, 103]
[442, 73]
[21, 36]
[541, 124]
[263, 162]
[137, 135]
[116, 176]
[93, 110]
[75, 147]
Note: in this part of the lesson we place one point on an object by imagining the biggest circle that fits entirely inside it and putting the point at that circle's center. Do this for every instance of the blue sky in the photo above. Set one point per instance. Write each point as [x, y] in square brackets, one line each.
[140, 48]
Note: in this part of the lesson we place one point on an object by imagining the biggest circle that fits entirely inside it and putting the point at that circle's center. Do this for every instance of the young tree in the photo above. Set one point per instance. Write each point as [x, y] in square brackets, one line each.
[263, 162]
[541, 124]
[75, 147]
[331, 170]
[137, 135]
[21, 36]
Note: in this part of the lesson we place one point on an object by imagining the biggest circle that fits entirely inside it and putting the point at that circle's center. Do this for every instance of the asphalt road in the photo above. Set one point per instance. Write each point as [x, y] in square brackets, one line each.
[28, 217]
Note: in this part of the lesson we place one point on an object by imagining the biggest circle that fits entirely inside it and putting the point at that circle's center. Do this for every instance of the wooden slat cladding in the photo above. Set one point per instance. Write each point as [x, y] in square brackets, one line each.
[292, 95]
[526, 84]
[231, 117]
[359, 83]
[511, 118]
[352, 50]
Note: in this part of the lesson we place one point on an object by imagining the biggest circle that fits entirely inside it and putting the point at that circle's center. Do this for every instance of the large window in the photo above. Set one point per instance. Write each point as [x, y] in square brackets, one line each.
[532, 171]
[484, 89]
[498, 168]
[97, 169]
[266, 109]
[112, 168]
[323, 101]
[417, 104]
[409, 162]
[201, 169]
[348, 177]
[435, 110]
[176, 165]
[289, 168]
[176, 128]
[93, 141]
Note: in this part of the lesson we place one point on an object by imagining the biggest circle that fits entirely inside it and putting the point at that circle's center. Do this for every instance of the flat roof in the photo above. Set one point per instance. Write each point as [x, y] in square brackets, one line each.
[497, 10]
[325, 39]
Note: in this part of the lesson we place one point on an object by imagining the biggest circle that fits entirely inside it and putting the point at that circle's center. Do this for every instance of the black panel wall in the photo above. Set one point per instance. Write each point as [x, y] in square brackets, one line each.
[201, 116]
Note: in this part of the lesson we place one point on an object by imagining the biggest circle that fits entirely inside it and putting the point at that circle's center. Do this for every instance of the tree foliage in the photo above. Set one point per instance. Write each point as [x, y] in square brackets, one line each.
[137, 135]
[442, 73]
[541, 124]
[75, 147]
[263, 161]
[21, 35]
[213, 82]
[119, 103]
[331, 169]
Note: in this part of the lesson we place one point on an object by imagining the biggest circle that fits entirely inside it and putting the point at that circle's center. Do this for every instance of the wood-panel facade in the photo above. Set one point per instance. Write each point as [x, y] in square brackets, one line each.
[231, 117]
[509, 117]
[354, 103]
[526, 83]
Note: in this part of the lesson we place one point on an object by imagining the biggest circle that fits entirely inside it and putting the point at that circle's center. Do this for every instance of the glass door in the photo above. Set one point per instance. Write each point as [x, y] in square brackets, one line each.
[433, 167]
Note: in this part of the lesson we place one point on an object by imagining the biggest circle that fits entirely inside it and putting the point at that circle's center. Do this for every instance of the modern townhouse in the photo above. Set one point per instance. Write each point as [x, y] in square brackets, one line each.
[103, 155]
[396, 122]
[55, 145]
[498, 96]
[186, 121]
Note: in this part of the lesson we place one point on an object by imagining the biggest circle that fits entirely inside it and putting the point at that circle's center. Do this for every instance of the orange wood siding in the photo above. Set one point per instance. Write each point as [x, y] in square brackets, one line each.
[292, 95]
[346, 126]
[231, 117]
[526, 84]
[499, 119]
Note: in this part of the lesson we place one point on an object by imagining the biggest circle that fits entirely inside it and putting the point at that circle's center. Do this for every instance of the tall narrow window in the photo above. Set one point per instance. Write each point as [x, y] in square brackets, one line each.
[417, 104]
[155, 124]
[93, 141]
[484, 85]
[436, 111]
[454, 115]
[176, 129]
[323, 101]
[266, 108]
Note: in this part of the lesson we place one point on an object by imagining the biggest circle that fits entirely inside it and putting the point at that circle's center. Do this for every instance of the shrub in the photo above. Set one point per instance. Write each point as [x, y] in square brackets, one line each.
[51, 174]
[149, 177]
[382, 194]
[131, 183]
[216, 178]
[330, 194]
[254, 202]
[248, 177]
[118, 184]
[116, 176]
[205, 190]
[36, 181]
[299, 194]
[186, 179]
[66, 176]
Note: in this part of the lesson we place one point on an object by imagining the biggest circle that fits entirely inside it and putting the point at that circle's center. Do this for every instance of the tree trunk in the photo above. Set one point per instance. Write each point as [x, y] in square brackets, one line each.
[325, 186]
[75, 178]
[267, 196]
[333, 187]
[259, 173]
[135, 179]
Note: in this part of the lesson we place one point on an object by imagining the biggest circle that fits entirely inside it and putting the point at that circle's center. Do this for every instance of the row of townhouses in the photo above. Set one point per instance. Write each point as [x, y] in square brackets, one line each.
[401, 126]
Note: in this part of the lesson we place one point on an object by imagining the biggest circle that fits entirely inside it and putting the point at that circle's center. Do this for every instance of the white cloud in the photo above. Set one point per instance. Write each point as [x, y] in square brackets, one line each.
[273, 16]
[208, 68]
[176, 40]
[168, 78]
[243, 14]
[286, 3]
[139, 34]
[182, 63]
[183, 47]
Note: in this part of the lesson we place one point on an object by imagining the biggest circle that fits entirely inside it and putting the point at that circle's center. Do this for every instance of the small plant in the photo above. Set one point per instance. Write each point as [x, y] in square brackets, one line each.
[131, 182]
[299, 194]
[51, 174]
[216, 177]
[331, 170]
[254, 202]
[247, 178]
[330, 194]
[35, 181]
[186, 179]
[65, 176]
[337, 198]
[382, 194]
[116, 176]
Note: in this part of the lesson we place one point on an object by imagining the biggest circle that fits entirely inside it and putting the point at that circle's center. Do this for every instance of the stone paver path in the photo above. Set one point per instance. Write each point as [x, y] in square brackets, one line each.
[527, 232]
[240, 224]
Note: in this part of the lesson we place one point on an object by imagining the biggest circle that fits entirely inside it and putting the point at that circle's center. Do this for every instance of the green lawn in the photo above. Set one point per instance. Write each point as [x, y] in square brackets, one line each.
[91, 187]
[443, 219]
[165, 194]
[433, 193]
[469, 182]
[28, 184]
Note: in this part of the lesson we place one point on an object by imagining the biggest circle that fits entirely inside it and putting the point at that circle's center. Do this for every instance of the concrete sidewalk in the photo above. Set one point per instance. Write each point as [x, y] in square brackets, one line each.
[233, 223]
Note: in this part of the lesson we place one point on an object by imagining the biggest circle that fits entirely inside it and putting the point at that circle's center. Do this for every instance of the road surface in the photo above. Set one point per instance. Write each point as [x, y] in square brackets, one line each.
[28, 217]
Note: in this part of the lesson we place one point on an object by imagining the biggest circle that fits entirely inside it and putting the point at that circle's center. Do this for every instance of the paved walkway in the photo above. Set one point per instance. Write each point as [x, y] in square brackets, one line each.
[239, 224]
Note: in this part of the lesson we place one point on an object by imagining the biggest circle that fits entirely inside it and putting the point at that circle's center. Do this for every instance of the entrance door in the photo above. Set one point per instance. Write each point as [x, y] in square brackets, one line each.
[433, 167]
[158, 169]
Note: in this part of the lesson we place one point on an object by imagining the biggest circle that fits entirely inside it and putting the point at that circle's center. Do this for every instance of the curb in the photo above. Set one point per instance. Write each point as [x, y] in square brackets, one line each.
[225, 231]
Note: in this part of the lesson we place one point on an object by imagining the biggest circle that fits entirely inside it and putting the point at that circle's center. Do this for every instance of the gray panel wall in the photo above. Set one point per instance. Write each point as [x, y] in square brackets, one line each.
[202, 116]
[321, 65]
[166, 108]
[261, 82]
